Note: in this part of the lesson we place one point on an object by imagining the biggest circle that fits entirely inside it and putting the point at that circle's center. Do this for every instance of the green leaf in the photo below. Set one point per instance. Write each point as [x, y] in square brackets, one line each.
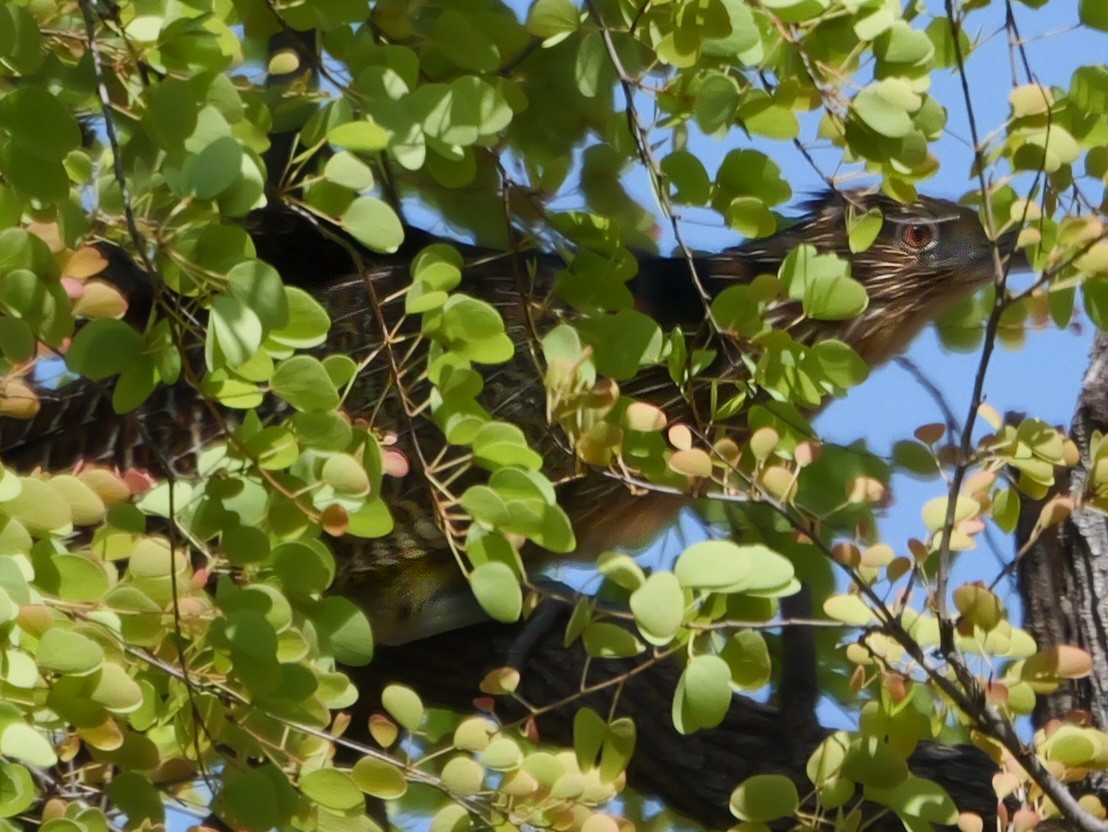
[838, 363]
[552, 20]
[874, 764]
[68, 652]
[244, 545]
[502, 754]
[346, 475]
[347, 629]
[303, 382]
[171, 112]
[332, 788]
[259, 287]
[619, 745]
[826, 763]
[703, 694]
[308, 322]
[715, 565]
[1006, 509]
[1093, 14]
[924, 799]
[116, 690]
[17, 789]
[497, 590]
[765, 797]
[215, 168]
[404, 705]
[687, 174]
[463, 775]
[463, 40]
[717, 99]
[39, 508]
[349, 171]
[103, 348]
[249, 800]
[747, 656]
[498, 444]
[750, 173]
[885, 107]
[39, 122]
[138, 798]
[236, 329]
[362, 136]
[372, 520]
[20, 741]
[610, 641]
[380, 779]
[44, 181]
[850, 609]
[475, 330]
[374, 224]
[589, 730]
[623, 342]
[934, 512]
[763, 116]
[750, 215]
[862, 229]
[659, 607]
[305, 567]
[451, 818]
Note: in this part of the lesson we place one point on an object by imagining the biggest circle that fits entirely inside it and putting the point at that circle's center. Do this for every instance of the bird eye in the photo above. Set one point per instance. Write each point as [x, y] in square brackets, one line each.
[918, 235]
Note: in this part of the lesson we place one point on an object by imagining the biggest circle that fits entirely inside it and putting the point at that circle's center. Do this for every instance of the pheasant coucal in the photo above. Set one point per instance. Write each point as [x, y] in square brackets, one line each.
[926, 256]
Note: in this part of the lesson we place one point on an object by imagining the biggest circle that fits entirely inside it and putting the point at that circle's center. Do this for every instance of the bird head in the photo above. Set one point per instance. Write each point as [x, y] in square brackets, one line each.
[926, 256]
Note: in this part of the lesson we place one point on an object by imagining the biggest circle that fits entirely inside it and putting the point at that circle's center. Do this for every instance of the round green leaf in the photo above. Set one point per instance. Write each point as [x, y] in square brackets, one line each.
[20, 741]
[703, 694]
[497, 590]
[715, 565]
[610, 641]
[659, 607]
[463, 775]
[347, 628]
[39, 122]
[765, 797]
[103, 348]
[215, 168]
[850, 609]
[17, 790]
[68, 652]
[362, 136]
[332, 788]
[875, 764]
[378, 778]
[924, 799]
[404, 705]
[303, 382]
[374, 224]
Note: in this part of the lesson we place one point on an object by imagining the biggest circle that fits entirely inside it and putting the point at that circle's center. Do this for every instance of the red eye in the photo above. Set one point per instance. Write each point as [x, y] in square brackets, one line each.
[918, 236]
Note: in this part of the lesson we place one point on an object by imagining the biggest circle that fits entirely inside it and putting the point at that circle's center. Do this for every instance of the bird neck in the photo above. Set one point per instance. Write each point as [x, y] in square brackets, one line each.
[665, 289]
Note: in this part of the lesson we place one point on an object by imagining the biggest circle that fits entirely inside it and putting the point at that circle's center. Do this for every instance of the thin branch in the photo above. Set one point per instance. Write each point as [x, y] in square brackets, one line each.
[646, 155]
[141, 245]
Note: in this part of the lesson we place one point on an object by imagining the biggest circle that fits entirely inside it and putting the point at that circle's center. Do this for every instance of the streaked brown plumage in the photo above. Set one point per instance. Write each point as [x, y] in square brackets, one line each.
[926, 257]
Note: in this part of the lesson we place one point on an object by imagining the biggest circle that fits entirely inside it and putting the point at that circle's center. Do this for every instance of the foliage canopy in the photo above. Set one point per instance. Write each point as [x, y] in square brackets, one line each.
[167, 630]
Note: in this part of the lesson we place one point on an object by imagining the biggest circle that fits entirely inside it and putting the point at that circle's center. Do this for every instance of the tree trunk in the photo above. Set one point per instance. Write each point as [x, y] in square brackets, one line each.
[1063, 577]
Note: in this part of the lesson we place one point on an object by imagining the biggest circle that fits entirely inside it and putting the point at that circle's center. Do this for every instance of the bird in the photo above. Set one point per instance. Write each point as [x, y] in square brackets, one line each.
[926, 256]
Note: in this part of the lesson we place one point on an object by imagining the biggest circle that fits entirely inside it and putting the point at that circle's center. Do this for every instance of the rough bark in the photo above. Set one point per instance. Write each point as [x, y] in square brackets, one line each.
[1063, 577]
[694, 775]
